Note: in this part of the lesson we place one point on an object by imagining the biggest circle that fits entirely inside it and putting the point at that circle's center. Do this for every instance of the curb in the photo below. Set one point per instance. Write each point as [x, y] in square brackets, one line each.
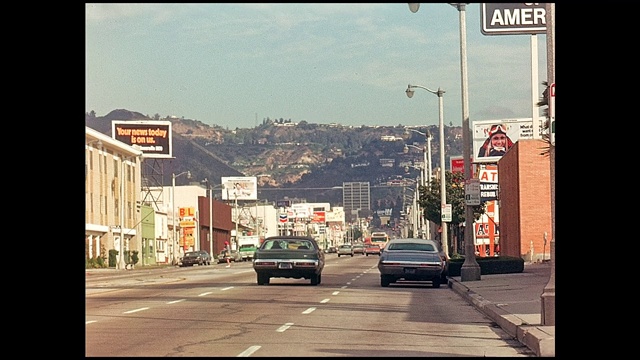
[534, 337]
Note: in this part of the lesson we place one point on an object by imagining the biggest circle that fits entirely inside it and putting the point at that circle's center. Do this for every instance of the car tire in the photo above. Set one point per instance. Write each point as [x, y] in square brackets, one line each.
[385, 280]
[315, 279]
[351, 255]
[263, 279]
[338, 255]
[435, 283]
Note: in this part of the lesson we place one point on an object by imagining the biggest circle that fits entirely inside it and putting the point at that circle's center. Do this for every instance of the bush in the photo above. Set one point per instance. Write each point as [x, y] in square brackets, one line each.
[113, 257]
[490, 265]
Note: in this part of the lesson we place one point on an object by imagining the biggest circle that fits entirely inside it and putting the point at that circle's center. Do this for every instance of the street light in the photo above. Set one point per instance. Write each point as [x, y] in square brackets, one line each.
[423, 171]
[173, 210]
[443, 180]
[470, 270]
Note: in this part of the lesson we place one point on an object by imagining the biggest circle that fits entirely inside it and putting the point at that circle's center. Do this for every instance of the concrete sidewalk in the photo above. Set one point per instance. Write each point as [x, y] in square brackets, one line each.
[513, 302]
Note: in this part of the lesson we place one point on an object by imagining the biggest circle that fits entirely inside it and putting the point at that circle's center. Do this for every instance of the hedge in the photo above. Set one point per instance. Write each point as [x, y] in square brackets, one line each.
[490, 265]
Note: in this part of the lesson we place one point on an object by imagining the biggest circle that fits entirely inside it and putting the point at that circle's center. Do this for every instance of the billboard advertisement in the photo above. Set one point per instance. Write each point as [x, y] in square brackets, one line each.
[493, 138]
[239, 188]
[153, 137]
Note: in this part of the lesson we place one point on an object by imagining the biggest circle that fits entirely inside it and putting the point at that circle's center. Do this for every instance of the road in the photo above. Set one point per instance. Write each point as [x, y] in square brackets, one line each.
[218, 311]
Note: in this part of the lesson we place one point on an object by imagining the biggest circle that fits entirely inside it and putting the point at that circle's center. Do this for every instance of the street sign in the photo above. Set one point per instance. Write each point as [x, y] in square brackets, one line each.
[446, 213]
[513, 18]
[472, 192]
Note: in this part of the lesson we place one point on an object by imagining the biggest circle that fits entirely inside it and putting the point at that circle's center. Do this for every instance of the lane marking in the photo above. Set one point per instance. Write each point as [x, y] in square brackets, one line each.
[90, 322]
[309, 310]
[227, 288]
[135, 310]
[284, 327]
[176, 301]
[206, 293]
[249, 351]
[324, 301]
[335, 293]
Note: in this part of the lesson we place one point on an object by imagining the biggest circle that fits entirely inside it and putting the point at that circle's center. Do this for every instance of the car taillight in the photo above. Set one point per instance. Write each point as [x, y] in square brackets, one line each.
[265, 263]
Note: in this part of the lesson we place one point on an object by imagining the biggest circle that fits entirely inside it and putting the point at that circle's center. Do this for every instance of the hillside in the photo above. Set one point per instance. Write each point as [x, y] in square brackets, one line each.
[294, 160]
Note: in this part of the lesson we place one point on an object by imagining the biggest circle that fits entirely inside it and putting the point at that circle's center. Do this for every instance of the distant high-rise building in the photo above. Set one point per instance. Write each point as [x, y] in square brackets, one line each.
[356, 197]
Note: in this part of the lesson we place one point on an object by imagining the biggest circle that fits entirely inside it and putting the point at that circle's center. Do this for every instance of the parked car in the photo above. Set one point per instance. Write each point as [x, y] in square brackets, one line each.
[235, 256]
[358, 249]
[370, 249]
[295, 257]
[199, 257]
[412, 260]
[345, 249]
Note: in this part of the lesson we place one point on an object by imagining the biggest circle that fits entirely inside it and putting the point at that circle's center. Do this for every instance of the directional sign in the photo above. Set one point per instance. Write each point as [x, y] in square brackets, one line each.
[513, 18]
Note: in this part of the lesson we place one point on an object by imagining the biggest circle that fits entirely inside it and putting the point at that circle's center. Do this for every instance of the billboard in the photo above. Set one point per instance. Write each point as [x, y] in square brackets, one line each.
[493, 138]
[153, 137]
[239, 188]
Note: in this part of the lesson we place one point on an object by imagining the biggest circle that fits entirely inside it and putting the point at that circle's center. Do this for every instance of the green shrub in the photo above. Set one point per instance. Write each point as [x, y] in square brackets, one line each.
[489, 265]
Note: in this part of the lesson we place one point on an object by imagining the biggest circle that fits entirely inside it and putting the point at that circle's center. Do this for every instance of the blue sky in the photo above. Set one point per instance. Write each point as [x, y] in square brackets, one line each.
[234, 65]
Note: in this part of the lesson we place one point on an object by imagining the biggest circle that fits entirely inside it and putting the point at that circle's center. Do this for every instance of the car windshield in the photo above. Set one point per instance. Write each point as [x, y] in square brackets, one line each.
[411, 246]
[191, 254]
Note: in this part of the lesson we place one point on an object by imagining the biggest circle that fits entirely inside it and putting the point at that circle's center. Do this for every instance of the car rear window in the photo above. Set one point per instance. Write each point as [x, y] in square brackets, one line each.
[286, 244]
[411, 246]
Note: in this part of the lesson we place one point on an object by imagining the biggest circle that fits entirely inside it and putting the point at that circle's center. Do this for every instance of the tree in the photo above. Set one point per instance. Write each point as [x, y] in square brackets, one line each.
[454, 186]
[544, 102]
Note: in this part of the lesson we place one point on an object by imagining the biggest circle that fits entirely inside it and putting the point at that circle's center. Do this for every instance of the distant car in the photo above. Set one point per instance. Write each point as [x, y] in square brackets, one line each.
[370, 249]
[412, 260]
[295, 257]
[200, 257]
[331, 250]
[345, 249]
[358, 249]
[235, 256]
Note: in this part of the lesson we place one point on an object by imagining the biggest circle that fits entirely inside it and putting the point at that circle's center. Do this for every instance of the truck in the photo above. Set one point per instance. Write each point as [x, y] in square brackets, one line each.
[247, 245]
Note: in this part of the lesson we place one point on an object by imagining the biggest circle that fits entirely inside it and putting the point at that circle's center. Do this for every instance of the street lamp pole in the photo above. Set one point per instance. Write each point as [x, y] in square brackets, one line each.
[470, 270]
[173, 211]
[210, 190]
[443, 180]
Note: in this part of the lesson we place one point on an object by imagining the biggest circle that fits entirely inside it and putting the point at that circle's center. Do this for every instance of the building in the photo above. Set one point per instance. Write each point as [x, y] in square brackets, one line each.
[525, 201]
[356, 200]
[112, 196]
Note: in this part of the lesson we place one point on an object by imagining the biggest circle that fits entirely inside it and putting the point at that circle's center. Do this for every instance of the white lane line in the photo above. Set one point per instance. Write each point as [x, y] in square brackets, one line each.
[309, 310]
[249, 351]
[324, 301]
[335, 293]
[284, 327]
[90, 322]
[176, 301]
[227, 288]
[135, 310]
[349, 283]
[344, 287]
[206, 293]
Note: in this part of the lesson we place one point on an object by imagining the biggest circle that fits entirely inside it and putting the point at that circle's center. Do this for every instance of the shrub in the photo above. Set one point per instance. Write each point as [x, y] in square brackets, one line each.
[490, 265]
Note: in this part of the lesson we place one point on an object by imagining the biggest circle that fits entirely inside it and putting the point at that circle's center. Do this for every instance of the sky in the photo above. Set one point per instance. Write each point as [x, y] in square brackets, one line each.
[234, 65]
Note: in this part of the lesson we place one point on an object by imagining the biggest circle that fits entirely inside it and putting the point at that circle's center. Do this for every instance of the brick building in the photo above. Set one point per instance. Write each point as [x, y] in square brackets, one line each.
[525, 200]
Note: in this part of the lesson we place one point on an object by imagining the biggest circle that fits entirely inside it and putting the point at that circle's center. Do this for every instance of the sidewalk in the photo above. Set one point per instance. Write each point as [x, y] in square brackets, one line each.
[513, 302]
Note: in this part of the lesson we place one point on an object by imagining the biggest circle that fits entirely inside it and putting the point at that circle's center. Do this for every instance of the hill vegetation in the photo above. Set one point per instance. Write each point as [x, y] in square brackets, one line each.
[296, 160]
